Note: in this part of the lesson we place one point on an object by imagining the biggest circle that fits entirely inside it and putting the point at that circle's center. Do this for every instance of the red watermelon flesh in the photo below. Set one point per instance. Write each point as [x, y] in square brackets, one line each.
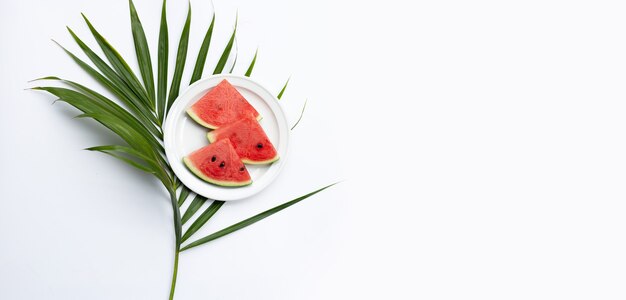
[221, 105]
[218, 163]
[249, 140]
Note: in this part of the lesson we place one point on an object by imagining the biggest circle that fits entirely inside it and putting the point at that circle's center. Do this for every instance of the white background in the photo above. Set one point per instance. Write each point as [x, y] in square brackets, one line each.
[482, 143]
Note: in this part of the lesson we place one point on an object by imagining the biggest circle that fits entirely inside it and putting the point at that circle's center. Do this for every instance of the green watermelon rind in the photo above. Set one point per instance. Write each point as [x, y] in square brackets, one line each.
[211, 138]
[196, 118]
[260, 162]
[198, 173]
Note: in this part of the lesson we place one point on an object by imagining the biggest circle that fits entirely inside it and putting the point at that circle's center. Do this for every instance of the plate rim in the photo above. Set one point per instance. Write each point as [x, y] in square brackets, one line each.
[169, 143]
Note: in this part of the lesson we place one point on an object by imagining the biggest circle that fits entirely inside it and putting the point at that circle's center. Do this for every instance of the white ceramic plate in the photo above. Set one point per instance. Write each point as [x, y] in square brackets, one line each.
[182, 135]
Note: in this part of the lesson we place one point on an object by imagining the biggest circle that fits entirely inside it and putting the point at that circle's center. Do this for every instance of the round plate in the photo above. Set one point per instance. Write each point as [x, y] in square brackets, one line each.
[182, 135]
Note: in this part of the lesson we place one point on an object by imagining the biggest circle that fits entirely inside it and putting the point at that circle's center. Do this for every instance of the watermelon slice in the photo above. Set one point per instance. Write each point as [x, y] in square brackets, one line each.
[249, 140]
[218, 163]
[221, 105]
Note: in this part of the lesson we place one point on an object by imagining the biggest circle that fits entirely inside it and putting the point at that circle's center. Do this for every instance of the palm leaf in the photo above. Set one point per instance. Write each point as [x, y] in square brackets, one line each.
[106, 117]
[221, 63]
[112, 107]
[133, 139]
[301, 114]
[250, 221]
[202, 54]
[130, 136]
[109, 78]
[162, 65]
[143, 53]
[184, 193]
[282, 91]
[202, 219]
[117, 151]
[153, 165]
[90, 107]
[193, 208]
[181, 57]
[236, 56]
[249, 71]
[119, 64]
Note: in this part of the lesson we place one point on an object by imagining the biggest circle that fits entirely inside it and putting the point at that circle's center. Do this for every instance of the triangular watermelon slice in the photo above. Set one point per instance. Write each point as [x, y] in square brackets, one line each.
[250, 141]
[221, 105]
[218, 163]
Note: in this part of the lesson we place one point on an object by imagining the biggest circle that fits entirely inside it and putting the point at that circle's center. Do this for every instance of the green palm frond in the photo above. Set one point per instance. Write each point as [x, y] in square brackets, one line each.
[282, 91]
[249, 71]
[202, 54]
[119, 64]
[118, 152]
[249, 221]
[143, 53]
[184, 193]
[236, 56]
[202, 219]
[163, 50]
[226, 53]
[139, 107]
[301, 114]
[193, 208]
[181, 57]
[110, 79]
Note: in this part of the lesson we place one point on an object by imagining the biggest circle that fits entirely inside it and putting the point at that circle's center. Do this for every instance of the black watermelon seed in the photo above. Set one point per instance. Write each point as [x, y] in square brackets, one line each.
[259, 145]
[241, 169]
[213, 158]
[222, 164]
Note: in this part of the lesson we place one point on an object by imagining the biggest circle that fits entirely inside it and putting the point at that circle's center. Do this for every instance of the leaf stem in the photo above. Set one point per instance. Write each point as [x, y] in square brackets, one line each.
[175, 273]
[177, 233]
